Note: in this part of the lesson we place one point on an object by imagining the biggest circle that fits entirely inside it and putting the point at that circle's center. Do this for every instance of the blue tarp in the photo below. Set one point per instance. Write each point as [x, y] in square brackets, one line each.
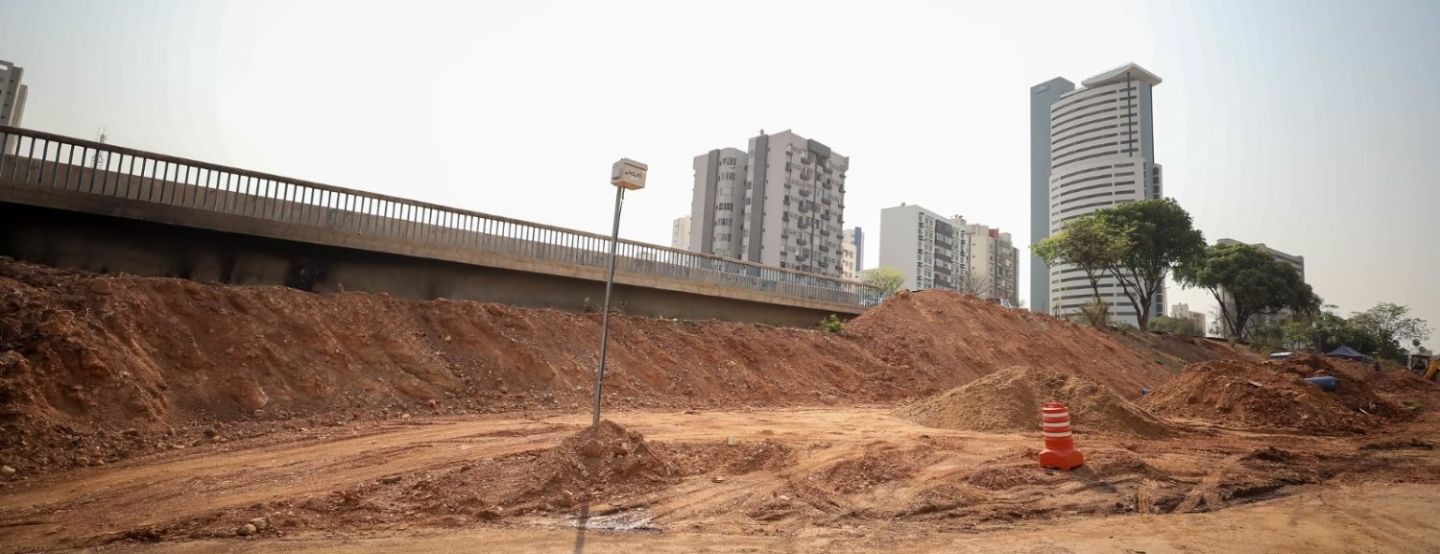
[1348, 353]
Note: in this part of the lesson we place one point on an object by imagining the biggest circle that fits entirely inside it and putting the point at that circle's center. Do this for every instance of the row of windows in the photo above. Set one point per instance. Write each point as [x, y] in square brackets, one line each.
[1128, 134]
[1055, 141]
[1096, 168]
[1091, 205]
[1076, 100]
[1091, 156]
[1110, 145]
[1107, 105]
[1080, 102]
[1066, 191]
[1068, 183]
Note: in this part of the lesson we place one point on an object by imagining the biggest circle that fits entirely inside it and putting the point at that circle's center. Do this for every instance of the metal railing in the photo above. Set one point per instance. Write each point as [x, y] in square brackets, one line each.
[37, 159]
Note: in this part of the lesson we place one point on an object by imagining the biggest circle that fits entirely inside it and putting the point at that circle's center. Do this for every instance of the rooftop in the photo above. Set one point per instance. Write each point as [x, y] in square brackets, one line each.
[1124, 72]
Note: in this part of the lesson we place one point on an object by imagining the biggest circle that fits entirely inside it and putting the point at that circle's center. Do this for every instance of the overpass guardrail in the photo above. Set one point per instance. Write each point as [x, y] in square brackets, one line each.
[31, 158]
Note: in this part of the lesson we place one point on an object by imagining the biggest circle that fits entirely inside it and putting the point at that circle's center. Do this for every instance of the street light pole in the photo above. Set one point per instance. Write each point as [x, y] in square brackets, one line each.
[625, 174]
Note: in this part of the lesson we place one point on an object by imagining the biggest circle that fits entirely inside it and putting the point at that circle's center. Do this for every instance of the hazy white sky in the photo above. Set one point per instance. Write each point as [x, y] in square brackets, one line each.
[1307, 125]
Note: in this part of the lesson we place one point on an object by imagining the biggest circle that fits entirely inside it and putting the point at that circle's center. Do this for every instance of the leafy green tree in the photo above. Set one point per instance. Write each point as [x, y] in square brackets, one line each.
[1254, 282]
[1388, 325]
[1324, 330]
[1088, 245]
[887, 279]
[1158, 235]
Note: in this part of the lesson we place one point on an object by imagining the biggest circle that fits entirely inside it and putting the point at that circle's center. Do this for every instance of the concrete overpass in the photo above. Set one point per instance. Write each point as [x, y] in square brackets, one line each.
[151, 214]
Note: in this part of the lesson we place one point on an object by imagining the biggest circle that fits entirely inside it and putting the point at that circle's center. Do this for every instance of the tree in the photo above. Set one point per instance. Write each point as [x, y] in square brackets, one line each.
[887, 279]
[1324, 330]
[1177, 326]
[1387, 325]
[1088, 245]
[1253, 283]
[1159, 235]
[978, 285]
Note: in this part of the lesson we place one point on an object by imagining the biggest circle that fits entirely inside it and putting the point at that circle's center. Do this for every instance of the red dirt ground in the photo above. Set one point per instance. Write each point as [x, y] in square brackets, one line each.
[96, 368]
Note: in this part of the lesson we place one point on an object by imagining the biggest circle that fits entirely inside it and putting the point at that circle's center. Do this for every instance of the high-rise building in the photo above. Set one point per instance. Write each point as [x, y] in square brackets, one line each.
[1102, 154]
[853, 258]
[779, 204]
[12, 99]
[994, 265]
[717, 206]
[680, 233]
[1196, 319]
[1042, 96]
[932, 251]
[1297, 262]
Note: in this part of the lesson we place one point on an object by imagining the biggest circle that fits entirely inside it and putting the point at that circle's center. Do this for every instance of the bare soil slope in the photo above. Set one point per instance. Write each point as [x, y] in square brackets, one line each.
[95, 364]
[1009, 401]
[938, 331]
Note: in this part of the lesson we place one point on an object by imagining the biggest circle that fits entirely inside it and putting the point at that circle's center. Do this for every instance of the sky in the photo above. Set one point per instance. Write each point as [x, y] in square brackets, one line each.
[1309, 126]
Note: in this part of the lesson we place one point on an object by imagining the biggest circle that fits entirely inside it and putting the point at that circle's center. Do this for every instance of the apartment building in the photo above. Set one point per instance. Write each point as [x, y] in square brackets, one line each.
[994, 265]
[12, 99]
[1102, 154]
[931, 250]
[853, 253]
[780, 203]
[680, 233]
[1197, 319]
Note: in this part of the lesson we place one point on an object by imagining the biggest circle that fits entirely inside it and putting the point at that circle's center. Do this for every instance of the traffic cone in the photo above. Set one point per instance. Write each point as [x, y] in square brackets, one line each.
[1060, 452]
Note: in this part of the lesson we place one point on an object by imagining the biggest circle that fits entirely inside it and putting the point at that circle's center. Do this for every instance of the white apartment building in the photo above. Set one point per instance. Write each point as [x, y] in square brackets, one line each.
[12, 99]
[994, 265]
[680, 233]
[1102, 154]
[781, 203]
[932, 251]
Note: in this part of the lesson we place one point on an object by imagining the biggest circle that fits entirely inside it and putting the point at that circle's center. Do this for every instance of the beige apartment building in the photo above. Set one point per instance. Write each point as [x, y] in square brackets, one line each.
[994, 265]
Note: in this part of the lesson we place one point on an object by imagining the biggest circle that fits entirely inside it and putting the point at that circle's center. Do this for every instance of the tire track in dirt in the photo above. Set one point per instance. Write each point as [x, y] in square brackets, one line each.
[1206, 490]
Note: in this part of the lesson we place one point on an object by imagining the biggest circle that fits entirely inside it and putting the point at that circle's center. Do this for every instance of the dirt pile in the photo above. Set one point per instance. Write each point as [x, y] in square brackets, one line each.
[602, 458]
[1271, 396]
[1009, 401]
[949, 332]
[124, 365]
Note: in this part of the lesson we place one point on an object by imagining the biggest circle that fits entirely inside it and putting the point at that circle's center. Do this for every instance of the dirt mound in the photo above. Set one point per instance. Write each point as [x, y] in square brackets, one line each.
[1009, 401]
[1353, 390]
[1270, 397]
[97, 368]
[949, 332]
[605, 457]
[1174, 352]
[873, 469]
[738, 458]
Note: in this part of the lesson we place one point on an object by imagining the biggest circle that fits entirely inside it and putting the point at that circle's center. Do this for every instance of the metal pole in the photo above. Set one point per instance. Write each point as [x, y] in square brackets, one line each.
[605, 316]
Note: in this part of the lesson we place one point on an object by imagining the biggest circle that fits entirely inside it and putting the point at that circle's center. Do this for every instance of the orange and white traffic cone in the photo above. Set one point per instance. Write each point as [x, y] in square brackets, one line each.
[1060, 452]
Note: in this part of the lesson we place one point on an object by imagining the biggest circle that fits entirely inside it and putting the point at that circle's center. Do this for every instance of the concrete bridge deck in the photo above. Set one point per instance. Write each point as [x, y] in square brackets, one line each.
[152, 214]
